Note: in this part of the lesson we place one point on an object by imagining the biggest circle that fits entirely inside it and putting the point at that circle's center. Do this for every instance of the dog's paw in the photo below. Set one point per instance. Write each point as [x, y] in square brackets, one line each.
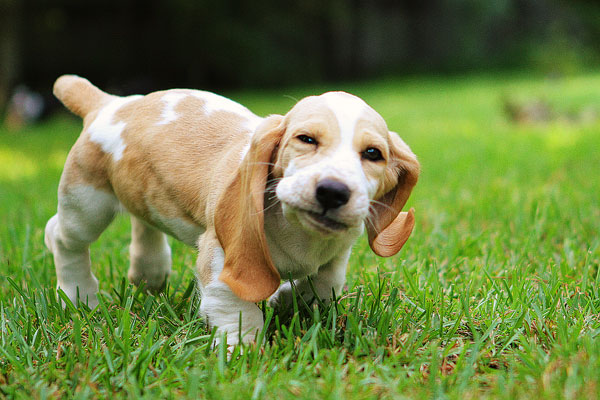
[86, 294]
[283, 298]
[152, 268]
[232, 338]
[153, 284]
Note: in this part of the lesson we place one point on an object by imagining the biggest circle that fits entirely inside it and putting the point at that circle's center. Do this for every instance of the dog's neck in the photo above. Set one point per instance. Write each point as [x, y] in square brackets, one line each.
[297, 252]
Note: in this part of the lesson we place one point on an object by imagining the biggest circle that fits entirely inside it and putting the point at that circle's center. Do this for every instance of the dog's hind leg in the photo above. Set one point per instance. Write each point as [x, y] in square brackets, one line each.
[83, 214]
[150, 256]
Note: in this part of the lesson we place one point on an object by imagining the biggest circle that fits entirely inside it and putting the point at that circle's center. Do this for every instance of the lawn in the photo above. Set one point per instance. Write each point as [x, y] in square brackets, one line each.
[495, 295]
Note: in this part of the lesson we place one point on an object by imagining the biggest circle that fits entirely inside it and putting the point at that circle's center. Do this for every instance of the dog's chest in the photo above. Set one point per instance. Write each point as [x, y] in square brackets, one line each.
[296, 253]
[297, 258]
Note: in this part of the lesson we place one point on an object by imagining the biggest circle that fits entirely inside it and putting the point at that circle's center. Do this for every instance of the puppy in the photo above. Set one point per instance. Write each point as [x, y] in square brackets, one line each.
[261, 198]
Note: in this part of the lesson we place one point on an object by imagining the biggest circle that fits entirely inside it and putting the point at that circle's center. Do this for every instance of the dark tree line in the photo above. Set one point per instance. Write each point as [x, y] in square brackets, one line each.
[144, 45]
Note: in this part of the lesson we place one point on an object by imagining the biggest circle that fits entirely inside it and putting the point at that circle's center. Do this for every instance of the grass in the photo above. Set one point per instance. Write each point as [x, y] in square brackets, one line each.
[496, 294]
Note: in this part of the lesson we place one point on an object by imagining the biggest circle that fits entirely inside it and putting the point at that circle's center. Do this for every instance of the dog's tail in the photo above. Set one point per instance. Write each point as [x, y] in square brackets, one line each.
[79, 95]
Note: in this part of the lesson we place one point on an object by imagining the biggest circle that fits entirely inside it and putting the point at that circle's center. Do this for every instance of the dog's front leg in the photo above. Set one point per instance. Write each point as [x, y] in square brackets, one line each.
[328, 279]
[219, 305]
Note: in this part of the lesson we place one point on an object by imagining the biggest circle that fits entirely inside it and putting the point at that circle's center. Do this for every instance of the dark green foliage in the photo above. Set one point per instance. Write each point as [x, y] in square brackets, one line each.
[232, 43]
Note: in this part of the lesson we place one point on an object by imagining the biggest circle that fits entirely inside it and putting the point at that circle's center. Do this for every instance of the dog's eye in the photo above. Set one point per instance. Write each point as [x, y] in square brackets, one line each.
[307, 139]
[372, 154]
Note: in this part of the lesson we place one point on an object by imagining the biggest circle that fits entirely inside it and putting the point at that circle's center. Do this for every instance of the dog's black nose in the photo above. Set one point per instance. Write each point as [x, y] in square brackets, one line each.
[332, 194]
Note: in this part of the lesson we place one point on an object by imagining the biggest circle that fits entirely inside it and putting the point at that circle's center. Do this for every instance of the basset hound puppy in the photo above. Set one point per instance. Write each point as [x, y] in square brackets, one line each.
[261, 198]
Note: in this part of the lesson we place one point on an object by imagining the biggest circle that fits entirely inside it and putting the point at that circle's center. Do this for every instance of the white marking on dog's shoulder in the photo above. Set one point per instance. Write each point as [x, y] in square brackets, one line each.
[214, 102]
[252, 123]
[347, 109]
[107, 133]
[171, 100]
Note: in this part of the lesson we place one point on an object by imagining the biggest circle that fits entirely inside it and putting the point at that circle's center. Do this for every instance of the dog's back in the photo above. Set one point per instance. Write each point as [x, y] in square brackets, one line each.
[162, 154]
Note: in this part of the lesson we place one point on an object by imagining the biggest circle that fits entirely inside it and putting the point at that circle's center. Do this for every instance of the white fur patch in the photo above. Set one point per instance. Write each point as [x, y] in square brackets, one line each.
[171, 100]
[107, 133]
[329, 277]
[347, 109]
[214, 103]
[83, 213]
[181, 230]
[218, 261]
[222, 308]
[245, 150]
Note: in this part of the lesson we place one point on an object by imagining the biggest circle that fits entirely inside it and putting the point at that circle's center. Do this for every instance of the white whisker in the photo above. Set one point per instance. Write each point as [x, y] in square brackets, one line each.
[263, 163]
[271, 181]
[373, 212]
[379, 203]
[372, 225]
[271, 205]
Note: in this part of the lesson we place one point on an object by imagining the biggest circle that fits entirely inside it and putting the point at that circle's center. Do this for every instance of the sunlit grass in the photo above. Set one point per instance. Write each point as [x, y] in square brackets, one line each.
[496, 294]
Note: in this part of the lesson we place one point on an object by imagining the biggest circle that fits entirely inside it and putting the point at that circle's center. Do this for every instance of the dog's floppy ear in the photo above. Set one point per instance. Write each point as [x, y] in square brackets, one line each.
[388, 228]
[239, 219]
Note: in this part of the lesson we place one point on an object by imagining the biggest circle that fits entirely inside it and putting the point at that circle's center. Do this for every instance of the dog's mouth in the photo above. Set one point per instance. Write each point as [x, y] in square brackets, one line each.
[324, 223]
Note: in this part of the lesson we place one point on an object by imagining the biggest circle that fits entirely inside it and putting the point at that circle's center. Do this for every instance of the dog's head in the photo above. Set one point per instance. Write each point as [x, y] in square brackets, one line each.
[335, 166]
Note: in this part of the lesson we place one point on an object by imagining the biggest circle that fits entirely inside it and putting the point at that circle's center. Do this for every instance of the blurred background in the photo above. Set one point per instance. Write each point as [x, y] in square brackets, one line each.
[128, 46]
